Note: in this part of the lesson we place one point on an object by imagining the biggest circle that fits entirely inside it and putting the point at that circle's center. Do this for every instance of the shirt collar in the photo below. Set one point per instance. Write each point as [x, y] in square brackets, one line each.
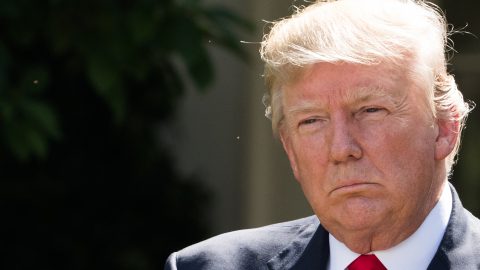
[418, 249]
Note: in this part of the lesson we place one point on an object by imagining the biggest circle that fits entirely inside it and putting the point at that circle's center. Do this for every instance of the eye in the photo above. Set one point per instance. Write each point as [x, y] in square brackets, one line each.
[371, 113]
[372, 110]
[308, 121]
[310, 125]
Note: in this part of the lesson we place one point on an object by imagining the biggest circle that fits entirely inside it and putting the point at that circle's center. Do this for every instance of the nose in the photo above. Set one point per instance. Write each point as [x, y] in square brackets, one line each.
[343, 145]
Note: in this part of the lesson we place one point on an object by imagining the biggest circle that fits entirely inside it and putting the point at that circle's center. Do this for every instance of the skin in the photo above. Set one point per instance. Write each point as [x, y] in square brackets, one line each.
[369, 155]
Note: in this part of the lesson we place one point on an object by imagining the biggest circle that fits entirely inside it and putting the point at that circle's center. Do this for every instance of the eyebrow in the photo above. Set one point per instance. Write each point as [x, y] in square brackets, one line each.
[304, 107]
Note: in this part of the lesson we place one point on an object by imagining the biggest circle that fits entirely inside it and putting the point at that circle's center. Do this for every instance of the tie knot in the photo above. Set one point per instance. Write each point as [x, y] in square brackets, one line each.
[366, 262]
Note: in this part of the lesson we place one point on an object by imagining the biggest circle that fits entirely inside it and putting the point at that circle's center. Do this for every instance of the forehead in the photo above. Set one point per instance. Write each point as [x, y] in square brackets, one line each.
[327, 83]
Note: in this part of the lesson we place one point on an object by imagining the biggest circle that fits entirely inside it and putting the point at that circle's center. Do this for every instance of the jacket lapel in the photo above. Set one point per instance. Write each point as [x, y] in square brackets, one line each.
[459, 246]
[309, 250]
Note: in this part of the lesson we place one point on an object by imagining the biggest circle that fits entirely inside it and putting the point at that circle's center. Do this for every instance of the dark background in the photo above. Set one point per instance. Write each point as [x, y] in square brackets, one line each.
[86, 182]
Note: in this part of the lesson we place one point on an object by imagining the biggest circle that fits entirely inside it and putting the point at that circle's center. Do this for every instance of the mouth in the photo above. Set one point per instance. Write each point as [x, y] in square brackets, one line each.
[353, 186]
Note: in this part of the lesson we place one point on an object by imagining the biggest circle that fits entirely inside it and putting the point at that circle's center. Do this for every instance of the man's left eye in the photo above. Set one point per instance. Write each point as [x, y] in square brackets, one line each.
[371, 113]
[372, 110]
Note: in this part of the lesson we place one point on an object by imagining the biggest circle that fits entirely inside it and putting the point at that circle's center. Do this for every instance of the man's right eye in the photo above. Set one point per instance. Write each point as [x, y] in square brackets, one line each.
[308, 121]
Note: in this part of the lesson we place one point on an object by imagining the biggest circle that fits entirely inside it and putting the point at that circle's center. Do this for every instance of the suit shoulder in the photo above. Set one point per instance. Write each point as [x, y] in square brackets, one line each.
[473, 224]
[245, 249]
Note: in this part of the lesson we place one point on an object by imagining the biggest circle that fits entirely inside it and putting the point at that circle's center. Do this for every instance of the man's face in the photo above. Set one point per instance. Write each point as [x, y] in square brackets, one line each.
[364, 148]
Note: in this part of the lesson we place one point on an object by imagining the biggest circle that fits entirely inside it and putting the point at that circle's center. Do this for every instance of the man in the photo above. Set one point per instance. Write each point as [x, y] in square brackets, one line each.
[371, 121]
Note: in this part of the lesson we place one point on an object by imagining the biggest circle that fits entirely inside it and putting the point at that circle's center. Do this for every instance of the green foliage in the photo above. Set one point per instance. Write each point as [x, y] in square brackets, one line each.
[84, 87]
[27, 121]
[108, 44]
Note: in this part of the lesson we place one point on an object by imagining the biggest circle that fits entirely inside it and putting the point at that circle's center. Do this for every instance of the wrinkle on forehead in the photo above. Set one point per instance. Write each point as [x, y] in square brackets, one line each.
[349, 97]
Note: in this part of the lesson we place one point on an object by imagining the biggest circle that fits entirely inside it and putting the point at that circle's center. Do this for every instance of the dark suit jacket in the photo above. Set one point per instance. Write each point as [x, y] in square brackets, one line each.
[303, 244]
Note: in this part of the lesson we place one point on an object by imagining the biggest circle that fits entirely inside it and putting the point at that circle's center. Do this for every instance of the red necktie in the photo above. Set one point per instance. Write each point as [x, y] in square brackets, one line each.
[366, 262]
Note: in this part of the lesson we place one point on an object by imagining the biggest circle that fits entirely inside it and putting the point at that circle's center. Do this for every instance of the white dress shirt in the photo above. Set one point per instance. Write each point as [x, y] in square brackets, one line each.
[414, 253]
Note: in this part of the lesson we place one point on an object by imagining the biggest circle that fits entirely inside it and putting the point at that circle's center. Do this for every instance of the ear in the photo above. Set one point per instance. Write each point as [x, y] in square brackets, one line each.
[448, 132]
[287, 146]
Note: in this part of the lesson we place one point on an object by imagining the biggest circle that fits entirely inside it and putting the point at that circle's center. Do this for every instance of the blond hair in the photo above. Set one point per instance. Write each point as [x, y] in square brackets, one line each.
[365, 32]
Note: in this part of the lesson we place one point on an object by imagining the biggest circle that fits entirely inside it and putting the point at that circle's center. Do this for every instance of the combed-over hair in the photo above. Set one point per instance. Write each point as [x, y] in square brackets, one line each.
[366, 32]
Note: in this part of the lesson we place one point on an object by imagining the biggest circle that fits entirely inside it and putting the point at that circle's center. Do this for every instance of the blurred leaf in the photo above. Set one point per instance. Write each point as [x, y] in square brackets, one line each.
[27, 127]
[102, 74]
[201, 68]
[42, 117]
[141, 26]
[15, 140]
[6, 111]
[187, 41]
[25, 141]
[106, 82]
[37, 142]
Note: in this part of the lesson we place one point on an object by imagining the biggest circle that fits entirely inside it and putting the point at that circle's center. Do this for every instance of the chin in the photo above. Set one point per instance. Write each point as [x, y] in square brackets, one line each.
[358, 214]
[359, 223]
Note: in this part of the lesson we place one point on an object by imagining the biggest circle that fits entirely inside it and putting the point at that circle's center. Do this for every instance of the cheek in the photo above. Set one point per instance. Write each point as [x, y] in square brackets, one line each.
[403, 155]
[311, 155]
[312, 161]
[396, 138]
